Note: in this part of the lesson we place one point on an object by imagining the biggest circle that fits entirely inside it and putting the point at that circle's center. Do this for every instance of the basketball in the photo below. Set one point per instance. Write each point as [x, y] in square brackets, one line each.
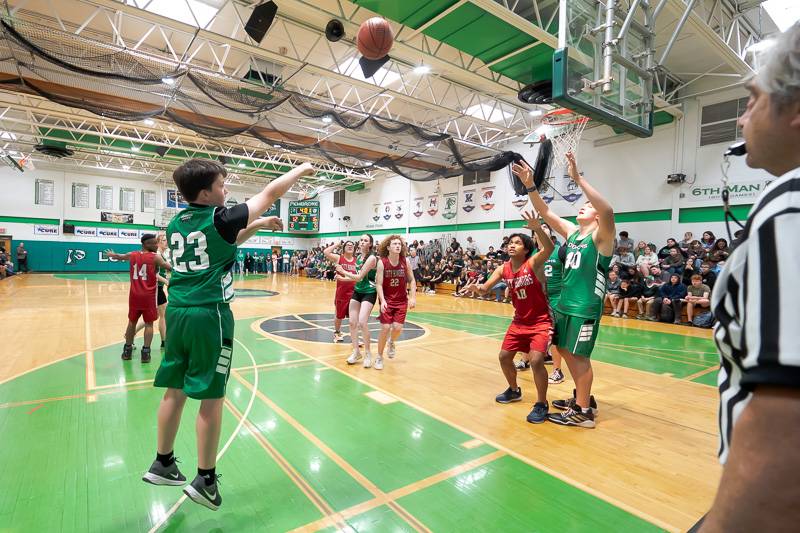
[375, 38]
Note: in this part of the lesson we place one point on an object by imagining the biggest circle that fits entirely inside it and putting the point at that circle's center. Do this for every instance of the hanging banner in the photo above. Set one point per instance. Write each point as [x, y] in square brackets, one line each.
[376, 212]
[469, 200]
[175, 200]
[399, 206]
[519, 201]
[118, 218]
[418, 206]
[387, 210]
[433, 204]
[487, 198]
[450, 209]
[82, 231]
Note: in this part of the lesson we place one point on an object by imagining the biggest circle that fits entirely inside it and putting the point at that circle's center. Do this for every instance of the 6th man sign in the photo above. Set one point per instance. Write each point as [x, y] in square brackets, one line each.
[739, 192]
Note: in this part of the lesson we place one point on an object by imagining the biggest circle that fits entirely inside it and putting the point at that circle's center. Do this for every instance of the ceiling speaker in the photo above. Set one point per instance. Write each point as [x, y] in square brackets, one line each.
[260, 20]
[334, 30]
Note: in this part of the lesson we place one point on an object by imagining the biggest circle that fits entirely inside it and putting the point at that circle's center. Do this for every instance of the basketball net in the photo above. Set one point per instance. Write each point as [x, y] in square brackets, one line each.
[564, 129]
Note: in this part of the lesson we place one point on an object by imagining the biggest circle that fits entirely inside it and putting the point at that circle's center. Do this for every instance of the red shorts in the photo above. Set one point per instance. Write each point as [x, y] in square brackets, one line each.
[342, 308]
[149, 314]
[393, 314]
[524, 338]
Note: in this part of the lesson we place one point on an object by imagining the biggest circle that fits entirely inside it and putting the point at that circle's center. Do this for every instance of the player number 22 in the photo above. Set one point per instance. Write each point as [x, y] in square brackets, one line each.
[196, 239]
[394, 282]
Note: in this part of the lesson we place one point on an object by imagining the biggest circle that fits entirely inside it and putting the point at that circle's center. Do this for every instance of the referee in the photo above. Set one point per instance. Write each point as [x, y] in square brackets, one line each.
[757, 307]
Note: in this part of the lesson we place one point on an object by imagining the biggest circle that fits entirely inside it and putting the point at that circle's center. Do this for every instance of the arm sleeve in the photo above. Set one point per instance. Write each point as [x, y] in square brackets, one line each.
[770, 307]
[229, 221]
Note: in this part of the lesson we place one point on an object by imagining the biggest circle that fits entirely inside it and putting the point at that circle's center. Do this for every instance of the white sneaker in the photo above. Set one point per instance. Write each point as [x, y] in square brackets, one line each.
[391, 351]
[338, 337]
[378, 363]
[367, 361]
[353, 359]
[360, 343]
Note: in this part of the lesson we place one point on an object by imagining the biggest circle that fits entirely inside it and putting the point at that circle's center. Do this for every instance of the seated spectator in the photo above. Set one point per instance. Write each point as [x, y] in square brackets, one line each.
[646, 260]
[686, 242]
[719, 252]
[454, 246]
[708, 240]
[663, 253]
[612, 289]
[673, 263]
[504, 243]
[502, 255]
[423, 276]
[629, 291]
[629, 273]
[623, 257]
[708, 276]
[437, 276]
[651, 288]
[413, 259]
[640, 249]
[696, 249]
[450, 272]
[623, 241]
[672, 295]
[4, 263]
[656, 272]
[697, 295]
[491, 254]
[471, 248]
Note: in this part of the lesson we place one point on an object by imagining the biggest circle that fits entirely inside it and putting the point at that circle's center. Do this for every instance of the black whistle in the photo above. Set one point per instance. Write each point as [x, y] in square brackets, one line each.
[736, 149]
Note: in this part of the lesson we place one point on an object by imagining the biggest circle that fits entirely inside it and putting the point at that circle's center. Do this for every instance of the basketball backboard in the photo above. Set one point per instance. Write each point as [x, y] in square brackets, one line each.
[603, 65]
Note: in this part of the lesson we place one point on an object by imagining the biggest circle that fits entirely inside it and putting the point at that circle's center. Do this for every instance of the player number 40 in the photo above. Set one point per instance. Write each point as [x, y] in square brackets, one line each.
[196, 241]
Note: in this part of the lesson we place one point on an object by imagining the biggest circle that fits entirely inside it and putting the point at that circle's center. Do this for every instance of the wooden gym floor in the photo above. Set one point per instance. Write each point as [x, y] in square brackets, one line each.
[311, 444]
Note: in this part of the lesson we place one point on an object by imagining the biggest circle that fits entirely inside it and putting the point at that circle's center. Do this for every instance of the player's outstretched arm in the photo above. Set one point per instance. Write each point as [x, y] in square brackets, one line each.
[546, 245]
[412, 299]
[368, 265]
[604, 237]
[379, 287]
[162, 263]
[270, 223]
[117, 257]
[525, 175]
[262, 201]
[330, 254]
[483, 288]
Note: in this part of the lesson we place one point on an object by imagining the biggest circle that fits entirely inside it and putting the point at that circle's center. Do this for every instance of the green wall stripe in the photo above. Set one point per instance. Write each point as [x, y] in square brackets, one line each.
[29, 220]
[474, 226]
[644, 216]
[98, 224]
[712, 213]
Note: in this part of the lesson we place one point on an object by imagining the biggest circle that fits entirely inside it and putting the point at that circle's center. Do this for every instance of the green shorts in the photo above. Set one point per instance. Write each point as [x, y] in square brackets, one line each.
[198, 351]
[574, 334]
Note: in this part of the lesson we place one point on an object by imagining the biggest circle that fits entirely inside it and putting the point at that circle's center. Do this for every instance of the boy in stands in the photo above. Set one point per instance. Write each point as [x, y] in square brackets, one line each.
[203, 240]
[142, 295]
[529, 331]
[393, 273]
[344, 288]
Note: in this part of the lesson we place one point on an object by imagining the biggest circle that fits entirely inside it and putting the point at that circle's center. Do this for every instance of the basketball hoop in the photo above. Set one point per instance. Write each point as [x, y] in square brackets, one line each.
[564, 129]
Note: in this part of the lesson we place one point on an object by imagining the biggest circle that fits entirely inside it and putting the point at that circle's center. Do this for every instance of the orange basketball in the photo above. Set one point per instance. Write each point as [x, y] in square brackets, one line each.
[375, 38]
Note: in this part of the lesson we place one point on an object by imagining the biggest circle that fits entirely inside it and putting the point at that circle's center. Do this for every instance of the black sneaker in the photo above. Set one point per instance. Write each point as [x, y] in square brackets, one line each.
[206, 495]
[570, 403]
[521, 364]
[538, 414]
[145, 354]
[164, 475]
[574, 417]
[509, 396]
[548, 359]
[163, 344]
[127, 352]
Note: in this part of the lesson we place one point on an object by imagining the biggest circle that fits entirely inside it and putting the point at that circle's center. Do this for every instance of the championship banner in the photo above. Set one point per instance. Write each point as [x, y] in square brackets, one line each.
[487, 198]
[118, 218]
[450, 205]
[519, 201]
[82, 231]
[387, 210]
[128, 233]
[45, 229]
[398, 209]
[418, 206]
[175, 200]
[376, 212]
[469, 200]
[433, 204]
[108, 232]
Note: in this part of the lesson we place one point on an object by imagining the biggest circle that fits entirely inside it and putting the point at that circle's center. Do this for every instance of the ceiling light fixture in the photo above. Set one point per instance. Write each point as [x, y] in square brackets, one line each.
[135, 148]
[327, 120]
[536, 112]
[242, 165]
[149, 122]
[422, 69]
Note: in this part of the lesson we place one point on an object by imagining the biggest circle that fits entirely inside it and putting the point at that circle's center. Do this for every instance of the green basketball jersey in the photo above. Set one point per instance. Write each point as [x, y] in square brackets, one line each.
[552, 273]
[367, 283]
[583, 280]
[201, 259]
[161, 272]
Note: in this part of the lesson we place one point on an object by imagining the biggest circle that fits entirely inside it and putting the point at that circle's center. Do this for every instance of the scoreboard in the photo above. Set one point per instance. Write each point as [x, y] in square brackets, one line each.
[304, 215]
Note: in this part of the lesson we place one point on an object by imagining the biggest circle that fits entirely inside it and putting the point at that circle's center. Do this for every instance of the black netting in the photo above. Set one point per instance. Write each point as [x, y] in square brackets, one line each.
[130, 85]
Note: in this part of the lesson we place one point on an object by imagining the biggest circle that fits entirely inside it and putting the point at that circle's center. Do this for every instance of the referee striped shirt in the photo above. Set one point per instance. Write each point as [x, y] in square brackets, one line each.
[757, 305]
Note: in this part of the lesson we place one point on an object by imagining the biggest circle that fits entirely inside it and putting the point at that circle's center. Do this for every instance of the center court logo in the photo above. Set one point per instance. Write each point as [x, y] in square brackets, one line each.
[74, 255]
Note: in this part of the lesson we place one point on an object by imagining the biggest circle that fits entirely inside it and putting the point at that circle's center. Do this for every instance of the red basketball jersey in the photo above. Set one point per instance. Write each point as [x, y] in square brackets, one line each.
[143, 279]
[344, 289]
[394, 282]
[527, 296]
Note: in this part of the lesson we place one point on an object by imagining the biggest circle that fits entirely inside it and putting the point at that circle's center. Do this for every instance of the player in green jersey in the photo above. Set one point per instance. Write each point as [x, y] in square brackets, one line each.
[203, 241]
[363, 299]
[589, 245]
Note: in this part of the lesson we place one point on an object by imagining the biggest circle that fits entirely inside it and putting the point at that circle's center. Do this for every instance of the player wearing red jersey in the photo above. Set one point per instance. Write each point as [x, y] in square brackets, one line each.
[529, 331]
[344, 287]
[394, 272]
[142, 294]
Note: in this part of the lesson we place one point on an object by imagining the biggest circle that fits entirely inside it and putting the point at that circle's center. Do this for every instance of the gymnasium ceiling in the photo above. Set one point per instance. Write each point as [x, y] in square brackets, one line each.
[479, 54]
